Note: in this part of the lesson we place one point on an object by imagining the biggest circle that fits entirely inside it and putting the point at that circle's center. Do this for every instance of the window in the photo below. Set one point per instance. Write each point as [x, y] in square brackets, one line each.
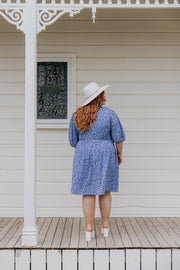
[56, 89]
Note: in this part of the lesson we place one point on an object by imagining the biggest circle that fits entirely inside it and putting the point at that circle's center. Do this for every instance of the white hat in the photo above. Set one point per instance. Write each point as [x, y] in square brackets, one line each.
[91, 91]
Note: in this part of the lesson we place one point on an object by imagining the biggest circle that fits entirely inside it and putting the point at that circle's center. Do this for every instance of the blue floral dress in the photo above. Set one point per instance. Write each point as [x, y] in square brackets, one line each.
[95, 163]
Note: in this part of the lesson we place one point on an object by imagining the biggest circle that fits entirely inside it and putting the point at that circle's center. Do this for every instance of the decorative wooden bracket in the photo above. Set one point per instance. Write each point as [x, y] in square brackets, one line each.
[49, 16]
[47, 13]
[14, 16]
[45, 16]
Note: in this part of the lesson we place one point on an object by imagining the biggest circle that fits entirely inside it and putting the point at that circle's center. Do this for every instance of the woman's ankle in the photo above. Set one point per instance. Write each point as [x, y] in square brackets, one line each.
[105, 224]
[89, 227]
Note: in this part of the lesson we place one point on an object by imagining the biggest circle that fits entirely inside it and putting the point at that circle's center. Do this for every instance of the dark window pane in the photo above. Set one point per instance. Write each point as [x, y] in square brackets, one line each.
[52, 90]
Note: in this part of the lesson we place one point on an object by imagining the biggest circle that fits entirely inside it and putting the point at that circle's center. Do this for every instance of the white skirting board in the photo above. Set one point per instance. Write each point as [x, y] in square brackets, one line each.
[90, 259]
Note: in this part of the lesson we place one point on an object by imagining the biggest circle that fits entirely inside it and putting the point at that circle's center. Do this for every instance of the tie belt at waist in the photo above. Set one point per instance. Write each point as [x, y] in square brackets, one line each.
[95, 140]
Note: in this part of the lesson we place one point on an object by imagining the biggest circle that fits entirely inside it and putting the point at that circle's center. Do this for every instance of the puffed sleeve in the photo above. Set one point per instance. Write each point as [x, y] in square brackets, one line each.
[73, 132]
[117, 131]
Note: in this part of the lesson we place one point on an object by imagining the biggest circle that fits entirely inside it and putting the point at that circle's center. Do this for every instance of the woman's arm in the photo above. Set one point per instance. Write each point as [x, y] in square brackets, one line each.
[119, 147]
[73, 133]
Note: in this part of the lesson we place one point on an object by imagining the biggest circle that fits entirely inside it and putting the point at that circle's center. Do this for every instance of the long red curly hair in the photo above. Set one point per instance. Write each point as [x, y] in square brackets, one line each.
[85, 116]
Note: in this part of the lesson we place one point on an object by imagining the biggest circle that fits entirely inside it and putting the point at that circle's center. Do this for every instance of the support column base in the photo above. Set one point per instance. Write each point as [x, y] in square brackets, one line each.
[29, 236]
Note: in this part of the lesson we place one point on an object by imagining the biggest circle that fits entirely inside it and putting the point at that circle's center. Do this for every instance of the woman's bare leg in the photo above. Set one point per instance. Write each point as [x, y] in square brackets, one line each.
[105, 207]
[88, 203]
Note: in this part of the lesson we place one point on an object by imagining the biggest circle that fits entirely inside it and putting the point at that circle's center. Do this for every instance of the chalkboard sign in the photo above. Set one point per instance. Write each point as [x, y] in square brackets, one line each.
[52, 90]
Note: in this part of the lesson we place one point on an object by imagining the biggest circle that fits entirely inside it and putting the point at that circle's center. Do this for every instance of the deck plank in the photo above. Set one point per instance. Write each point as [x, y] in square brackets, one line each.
[69, 232]
[156, 229]
[4, 222]
[8, 223]
[82, 236]
[139, 232]
[39, 222]
[59, 233]
[74, 242]
[99, 236]
[147, 231]
[174, 228]
[43, 231]
[115, 232]
[16, 236]
[109, 241]
[50, 233]
[176, 225]
[132, 234]
[168, 233]
[124, 233]
[66, 238]
[9, 234]
[177, 219]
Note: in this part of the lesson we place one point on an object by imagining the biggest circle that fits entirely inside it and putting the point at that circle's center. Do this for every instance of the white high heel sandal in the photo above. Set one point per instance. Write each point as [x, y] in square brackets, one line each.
[104, 231]
[89, 235]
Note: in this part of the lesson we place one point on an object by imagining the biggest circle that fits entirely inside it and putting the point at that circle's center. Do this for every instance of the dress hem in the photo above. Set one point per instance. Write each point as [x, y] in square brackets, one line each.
[93, 193]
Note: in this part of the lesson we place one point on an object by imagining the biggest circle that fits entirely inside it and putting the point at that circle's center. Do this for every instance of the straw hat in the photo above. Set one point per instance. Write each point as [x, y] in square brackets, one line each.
[91, 91]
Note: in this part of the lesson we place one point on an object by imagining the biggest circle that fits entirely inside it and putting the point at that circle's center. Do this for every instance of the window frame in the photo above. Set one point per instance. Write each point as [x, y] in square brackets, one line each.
[70, 58]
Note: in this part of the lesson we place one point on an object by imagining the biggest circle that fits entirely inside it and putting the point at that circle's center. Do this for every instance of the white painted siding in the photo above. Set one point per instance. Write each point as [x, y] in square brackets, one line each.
[138, 53]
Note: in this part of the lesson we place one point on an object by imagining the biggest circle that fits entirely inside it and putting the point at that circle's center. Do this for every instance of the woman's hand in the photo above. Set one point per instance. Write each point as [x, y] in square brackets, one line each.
[119, 158]
[119, 151]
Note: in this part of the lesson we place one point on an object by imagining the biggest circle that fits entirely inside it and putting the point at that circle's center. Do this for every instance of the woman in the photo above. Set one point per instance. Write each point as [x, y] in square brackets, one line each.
[93, 130]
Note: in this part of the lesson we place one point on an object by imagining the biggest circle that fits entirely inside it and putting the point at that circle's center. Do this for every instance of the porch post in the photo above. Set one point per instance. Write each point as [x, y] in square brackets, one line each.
[29, 232]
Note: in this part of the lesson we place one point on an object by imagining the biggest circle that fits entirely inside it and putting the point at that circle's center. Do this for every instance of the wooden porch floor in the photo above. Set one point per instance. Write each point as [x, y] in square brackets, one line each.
[69, 232]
